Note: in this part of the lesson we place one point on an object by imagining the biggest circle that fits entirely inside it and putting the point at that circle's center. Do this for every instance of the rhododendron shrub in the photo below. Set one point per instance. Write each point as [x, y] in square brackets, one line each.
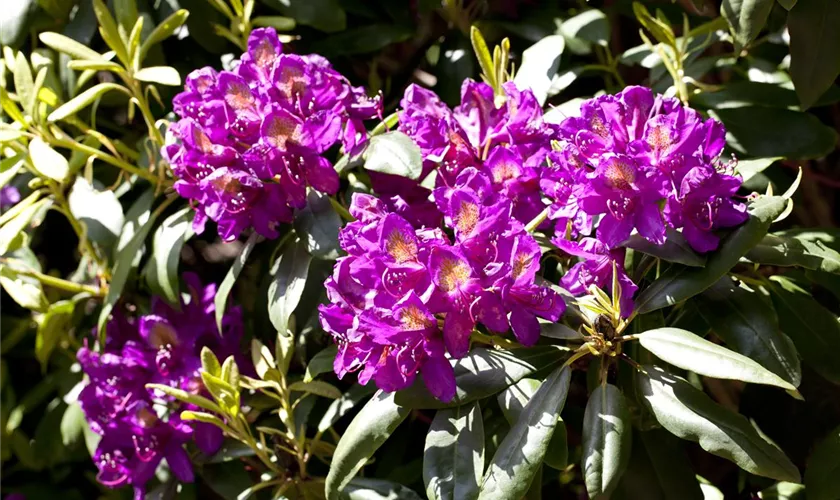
[335, 250]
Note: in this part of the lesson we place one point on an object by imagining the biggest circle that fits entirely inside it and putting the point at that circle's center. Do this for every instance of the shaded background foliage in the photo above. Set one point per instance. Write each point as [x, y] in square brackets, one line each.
[385, 45]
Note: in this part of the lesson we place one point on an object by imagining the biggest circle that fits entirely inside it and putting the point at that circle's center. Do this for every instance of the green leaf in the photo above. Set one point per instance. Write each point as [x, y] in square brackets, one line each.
[394, 153]
[288, 280]
[513, 400]
[539, 65]
[100, 212]
[318, 225]
[750, 168]
[590, 26]
[9, 167]
[363, 40]
[51, 327]
[813, 328]
[364, 488]
[223, 292]
[607, 437]
[317, 387]
[27, 292]
[372, 426]
[690, 414]
[110, 33]
[748, 325]
[775, 250]
[10, 230]
[83, 100]
[662, 32]
[323, 15]
[321, 363]
[814, 48]
[747, 93]
[659, 469]
[454, 65]
[787, 4]
[690, 352]
[209, 362]
[786, 133]
[164, 75]
[47, 161]
[69, 46]
[17, 17]
[279, 23]
[783, 491]
[675, 249]
[680, 283]
[163, 31]
[340, 407]
[95, 66]
[482, 53]
[484, 372]
[521, 453]
[24, 83]
[746, 19]
[162, 269]
[453, 462]
[822, 476]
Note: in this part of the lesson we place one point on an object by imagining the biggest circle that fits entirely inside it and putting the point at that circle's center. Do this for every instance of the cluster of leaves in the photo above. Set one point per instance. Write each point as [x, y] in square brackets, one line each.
[715, 341]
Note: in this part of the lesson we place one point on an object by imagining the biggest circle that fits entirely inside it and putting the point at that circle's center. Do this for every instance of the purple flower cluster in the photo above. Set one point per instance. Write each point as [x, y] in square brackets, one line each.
[162, 348]
[251, 140]
[507, 143]
[403, 296]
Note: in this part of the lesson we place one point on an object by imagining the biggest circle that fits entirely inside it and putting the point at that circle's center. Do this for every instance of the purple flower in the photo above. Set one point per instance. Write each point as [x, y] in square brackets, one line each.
[164, 348]
[250, 141]
[9, 195]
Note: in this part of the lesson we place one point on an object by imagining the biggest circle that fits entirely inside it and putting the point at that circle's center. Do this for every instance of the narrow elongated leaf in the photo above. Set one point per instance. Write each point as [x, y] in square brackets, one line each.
[100, 212]
[784, 251]
[83, 100]
[364, 488]
[11, 229]
[318, 225]
[323, 15]
[749, 325]
[482, 53]
[681, 283]
[521, 453]
[47, 161]
[289, 277]
[110, 33]
[373, 425]
[340, 407]
[484, 372]
[813, 328]
[24, 83]
[279, 23]
[607, 437]
[822, 475]
[814, 48]
[394, 153]
[690, 414]
[746, 18]
[163, 31]
[316, 387]
[453, 462]
[690, 352]
[669, 463]
[27, 292]
[69, 46]
[164, 75]
[675, 249]
[320, 363]
[539, 65]
[230, 278]
[162, 270]
[513, 400]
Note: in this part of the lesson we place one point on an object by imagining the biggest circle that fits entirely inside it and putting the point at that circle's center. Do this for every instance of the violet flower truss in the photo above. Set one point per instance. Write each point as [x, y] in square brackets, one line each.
[251, 140]
[408, 293]
[162, 348]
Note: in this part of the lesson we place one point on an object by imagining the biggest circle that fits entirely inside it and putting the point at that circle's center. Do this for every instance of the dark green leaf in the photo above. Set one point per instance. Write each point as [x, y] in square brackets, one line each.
[670, 465]
[163, 31]
[814, 48]
[394, 153]
[279, 23]
[784, 251]
[230, 278]
[323, 15]
[521, 453]
[749, 325]
[318, 225]
[51, 327]
[539, 65]
[746, 19]
[484, 372]
[364, 488]
[372, 426]
[288, 279]
[746, 93]
[321, 363]
[680, 283]
[813, 328]
[690, 414]
[787, 133]
[690, 352]
[363, 40]
[455, 64]
[513, 400]
[751, 168]
[590, 26]
[607, 437]
[453, 462]
[162, 268]
[822, 476]
[226, 479]
[675, 249]
[347, 402]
